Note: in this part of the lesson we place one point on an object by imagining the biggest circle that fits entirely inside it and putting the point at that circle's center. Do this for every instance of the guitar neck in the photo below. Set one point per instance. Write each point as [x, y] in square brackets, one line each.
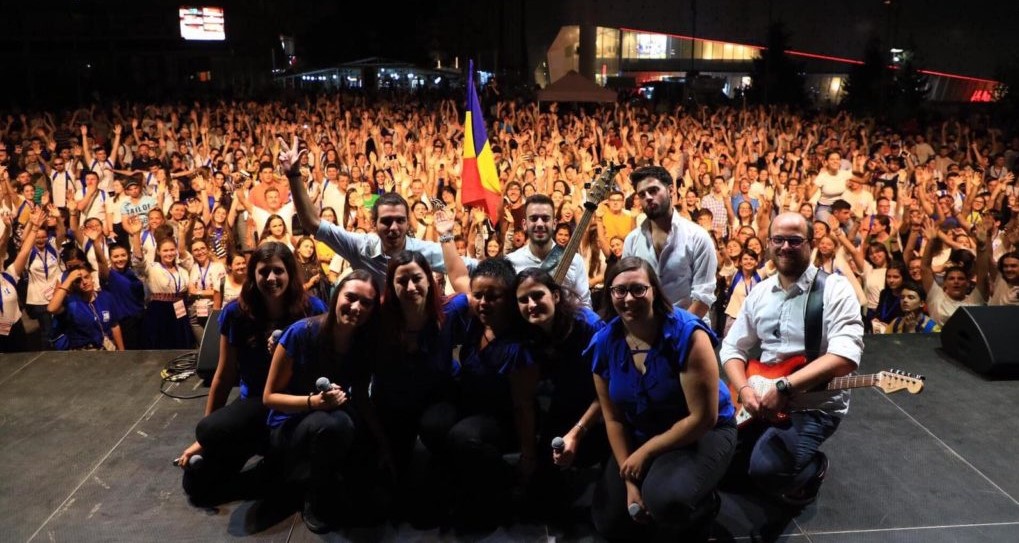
[573, 245]
[853, 381]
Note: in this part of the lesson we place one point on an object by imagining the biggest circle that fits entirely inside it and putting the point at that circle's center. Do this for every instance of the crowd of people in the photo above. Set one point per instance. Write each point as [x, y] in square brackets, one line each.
[365, 309]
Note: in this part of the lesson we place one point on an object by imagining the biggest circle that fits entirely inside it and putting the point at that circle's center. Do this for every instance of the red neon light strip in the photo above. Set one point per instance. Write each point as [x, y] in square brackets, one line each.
[823, 57]
[812, 55]
[964, 77]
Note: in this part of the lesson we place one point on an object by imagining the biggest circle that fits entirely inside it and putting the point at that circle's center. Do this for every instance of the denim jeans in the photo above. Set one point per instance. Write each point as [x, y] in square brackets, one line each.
[822, 212]
[785, 457]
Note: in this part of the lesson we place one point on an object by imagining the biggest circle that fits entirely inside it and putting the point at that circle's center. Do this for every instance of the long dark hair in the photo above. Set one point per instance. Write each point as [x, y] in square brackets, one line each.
[392, 314]
[566, 309]
[662, 307]
[295, 299]
[327, 332]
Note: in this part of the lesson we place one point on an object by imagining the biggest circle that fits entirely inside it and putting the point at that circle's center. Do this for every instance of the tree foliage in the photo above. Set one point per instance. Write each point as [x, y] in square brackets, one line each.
[774, 77]
[867, 88]
[875, 88]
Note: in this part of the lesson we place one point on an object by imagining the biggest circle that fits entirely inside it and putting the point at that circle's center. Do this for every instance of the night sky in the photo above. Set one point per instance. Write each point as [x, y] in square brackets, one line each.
[965, 37]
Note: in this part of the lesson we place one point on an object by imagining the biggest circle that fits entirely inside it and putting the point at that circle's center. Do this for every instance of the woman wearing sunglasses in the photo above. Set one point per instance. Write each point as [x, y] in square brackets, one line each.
[668, 417]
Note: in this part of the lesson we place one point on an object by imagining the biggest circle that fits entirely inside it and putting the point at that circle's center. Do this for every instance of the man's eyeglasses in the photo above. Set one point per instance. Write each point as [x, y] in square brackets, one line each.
[793, 241]
[636, 289]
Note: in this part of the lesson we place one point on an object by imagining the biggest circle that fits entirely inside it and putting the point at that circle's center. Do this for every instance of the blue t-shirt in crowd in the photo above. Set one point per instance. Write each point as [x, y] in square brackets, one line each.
[251, 338]
[83, 323]
[303, 346]
[651, 403]
[403, 380]
[128, 293]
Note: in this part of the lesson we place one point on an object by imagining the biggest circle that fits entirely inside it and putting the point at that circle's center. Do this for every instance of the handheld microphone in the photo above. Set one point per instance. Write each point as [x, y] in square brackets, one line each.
[558, 444]
[274, 340]
[323, 384]
[634, 509]
[194, 462]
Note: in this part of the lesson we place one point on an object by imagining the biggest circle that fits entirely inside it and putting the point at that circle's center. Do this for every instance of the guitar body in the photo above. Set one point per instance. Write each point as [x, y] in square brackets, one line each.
[761, 377]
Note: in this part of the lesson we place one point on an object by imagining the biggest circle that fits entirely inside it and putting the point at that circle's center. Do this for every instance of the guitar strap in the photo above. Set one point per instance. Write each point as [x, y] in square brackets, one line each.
[814, 317]
[553, 258]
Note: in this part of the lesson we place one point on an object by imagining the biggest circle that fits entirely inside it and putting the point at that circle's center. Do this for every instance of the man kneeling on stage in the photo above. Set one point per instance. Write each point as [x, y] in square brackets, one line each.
[809, 329]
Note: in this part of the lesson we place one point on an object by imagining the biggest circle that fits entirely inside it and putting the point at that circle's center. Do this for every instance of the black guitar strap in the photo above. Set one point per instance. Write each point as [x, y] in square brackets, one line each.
[814, 317]
[552, 259]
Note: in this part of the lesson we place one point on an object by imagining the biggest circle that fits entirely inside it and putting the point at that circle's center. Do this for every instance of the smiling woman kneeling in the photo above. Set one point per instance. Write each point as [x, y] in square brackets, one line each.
[668, 417]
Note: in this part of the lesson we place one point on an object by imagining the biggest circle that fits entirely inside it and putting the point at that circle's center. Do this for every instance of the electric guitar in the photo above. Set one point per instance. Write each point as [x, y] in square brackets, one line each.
[597, 190]
[760, 377]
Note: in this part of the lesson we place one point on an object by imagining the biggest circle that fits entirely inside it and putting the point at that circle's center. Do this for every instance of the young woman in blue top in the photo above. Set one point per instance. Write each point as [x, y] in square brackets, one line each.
[128, 292]
[412, 382]
[271, 299]
[496, 405]
[314, 431]
[83, 315]
[668, 417]
[559, 328]
[889, 307]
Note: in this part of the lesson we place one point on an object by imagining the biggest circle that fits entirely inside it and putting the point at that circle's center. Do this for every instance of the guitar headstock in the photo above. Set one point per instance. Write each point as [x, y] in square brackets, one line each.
[895, 380]
[602, 184]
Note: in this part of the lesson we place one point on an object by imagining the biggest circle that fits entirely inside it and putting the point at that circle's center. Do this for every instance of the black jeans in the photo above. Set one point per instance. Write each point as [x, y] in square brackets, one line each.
[482, 479]
[403, 426]
[229, 437]
[313, 447]
[677, 490]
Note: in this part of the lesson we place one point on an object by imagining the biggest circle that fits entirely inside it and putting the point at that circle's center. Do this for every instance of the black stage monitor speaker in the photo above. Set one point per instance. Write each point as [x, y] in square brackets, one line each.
[208, 351]
[985, 338]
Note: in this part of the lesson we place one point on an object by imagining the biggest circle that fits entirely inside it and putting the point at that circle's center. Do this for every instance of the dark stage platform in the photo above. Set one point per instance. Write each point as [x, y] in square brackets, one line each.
[86, 440]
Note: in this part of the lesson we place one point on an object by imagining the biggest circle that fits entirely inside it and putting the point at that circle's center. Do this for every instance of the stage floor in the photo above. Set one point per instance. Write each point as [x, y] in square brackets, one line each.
[86, 441]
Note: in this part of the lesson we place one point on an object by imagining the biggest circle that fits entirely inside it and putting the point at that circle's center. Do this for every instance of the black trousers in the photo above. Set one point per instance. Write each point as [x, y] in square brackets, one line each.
[482, 479]
[133, 332]
[229, 437]
[15, 341]
[314, 447]
[676, 489]
[404, 425]
[553, 490]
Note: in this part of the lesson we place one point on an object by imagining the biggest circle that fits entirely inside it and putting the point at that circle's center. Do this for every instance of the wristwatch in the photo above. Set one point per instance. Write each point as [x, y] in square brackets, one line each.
[446, 238]
[783, 387]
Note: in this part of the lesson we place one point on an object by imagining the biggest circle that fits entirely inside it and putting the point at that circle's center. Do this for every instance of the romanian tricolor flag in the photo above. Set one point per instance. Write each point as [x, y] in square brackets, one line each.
[481, 185]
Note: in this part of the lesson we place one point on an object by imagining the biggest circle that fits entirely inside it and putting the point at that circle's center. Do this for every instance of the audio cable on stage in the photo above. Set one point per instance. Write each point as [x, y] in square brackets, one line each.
[178, 370]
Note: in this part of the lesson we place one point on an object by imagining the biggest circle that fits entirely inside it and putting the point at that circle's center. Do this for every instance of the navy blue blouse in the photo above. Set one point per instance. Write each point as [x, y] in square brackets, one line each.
[409, 380]
[484, 381]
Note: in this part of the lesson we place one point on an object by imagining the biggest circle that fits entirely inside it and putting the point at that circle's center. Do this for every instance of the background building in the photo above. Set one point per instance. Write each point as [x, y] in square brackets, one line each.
[628, 55]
